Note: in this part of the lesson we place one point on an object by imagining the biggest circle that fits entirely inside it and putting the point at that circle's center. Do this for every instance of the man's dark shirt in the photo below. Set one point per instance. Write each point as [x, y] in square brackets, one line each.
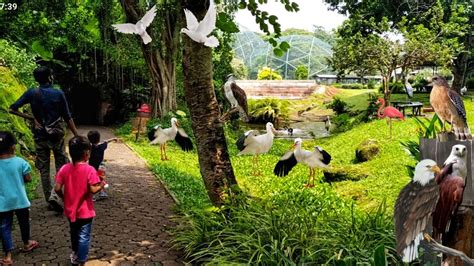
[46, 108]
[97, 155]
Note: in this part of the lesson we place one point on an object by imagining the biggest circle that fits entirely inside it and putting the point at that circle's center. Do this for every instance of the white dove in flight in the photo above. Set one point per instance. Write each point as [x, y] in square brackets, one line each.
[140, 27]
[198, 31]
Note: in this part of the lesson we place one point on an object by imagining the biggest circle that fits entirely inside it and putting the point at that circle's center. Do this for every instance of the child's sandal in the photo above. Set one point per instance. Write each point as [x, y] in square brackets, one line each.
[32, 245]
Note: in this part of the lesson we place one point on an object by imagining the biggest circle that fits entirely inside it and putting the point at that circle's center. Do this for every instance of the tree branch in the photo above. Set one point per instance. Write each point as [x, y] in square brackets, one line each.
[447, 250]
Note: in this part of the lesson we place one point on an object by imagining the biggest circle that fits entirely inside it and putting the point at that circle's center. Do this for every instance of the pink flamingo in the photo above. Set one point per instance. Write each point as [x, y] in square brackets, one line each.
[389, 111]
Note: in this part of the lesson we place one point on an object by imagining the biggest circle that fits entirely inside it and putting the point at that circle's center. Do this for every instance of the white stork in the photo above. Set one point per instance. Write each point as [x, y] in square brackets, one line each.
[318, 158]
[163, 135]
[327, 124]
[236, 97]
[140, 27]
[251, 143]
[434, 196]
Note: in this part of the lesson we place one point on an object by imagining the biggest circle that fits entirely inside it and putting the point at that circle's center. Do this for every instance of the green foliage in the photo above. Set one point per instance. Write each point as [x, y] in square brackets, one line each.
[239, 69]
[354, 86]
[397, 87]
[19, 61]
[429, 128]
[11, 90]
[268, 110]
[371, 84]
[339, 106]
[301, 72]
[371, 111]
[267, 73]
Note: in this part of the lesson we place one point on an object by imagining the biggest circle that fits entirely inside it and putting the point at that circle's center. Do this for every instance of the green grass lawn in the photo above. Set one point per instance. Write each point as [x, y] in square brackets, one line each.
[283, 210]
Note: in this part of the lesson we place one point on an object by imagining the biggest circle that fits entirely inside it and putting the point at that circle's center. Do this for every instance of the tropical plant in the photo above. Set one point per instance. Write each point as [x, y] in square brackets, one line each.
[429, 128]
[339, 106]
[268, 110]
[19, 61]
[301, 72]
[267, 73]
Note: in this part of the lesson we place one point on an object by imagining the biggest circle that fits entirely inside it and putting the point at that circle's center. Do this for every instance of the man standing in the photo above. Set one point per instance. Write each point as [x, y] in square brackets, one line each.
[50, 109]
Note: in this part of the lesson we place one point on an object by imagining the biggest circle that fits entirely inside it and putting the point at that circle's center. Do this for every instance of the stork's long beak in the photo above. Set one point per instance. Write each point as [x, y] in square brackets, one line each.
[178, 124]
[293, 146]
[435, 169]
[274, 130]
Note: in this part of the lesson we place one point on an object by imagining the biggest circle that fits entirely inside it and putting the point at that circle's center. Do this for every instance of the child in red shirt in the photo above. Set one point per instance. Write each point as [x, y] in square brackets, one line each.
[79, 181]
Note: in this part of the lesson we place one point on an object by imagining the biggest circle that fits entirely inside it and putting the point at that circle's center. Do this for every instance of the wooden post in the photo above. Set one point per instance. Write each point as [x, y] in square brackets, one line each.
[462, 226]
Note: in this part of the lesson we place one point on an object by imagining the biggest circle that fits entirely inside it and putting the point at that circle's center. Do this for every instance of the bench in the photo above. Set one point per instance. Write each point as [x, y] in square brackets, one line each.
[416, 107]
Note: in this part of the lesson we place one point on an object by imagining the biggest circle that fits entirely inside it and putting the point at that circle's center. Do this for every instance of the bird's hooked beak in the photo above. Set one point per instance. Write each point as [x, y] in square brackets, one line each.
[435, 169]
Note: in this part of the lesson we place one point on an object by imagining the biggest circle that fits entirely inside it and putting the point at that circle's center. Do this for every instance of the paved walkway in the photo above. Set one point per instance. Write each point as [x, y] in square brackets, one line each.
[130, 227]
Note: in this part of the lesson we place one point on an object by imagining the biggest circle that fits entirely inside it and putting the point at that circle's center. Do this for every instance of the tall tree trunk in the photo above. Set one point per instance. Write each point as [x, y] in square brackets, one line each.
[214, 160]
[162, 66]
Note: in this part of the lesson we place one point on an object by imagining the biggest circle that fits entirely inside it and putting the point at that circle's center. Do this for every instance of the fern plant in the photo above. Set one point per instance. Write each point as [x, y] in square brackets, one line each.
[268, 110]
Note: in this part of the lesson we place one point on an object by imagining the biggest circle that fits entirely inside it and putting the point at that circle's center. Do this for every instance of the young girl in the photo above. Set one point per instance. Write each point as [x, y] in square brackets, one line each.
[80, 181]
[14, 172]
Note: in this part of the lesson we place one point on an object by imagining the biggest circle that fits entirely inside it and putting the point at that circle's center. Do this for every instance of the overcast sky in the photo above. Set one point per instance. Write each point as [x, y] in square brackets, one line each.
[312, 12]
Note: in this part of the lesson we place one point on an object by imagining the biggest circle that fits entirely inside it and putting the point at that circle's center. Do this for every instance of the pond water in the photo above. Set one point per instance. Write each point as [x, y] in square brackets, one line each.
[304, 130]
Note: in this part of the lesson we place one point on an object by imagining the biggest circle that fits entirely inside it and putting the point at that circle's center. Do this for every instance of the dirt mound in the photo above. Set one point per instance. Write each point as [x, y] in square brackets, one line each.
[331, 91]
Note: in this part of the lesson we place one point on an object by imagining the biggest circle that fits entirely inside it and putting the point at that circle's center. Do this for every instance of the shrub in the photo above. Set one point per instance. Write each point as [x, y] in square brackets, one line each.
[301, 72]
[239, 69]
[371, 84]
[354, 86]
[267, 73]
[268, 110]
[20, 62]
[371, 111]
[339, 106]
[397, 87]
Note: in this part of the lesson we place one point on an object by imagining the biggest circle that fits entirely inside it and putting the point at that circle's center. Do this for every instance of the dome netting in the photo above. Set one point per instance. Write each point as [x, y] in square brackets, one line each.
[304, 50]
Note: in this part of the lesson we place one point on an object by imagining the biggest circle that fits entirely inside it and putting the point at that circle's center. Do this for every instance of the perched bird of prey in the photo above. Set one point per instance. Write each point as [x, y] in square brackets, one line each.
[318, 158]
[140, 27]
[458, 157]
[236, 97]
[163, 135]
[251, 143]
[198, 31]
[449, 106]
[433, 196]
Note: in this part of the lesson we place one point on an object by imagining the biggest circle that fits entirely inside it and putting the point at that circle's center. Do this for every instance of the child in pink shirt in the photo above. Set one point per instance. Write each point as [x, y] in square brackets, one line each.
[75, 184]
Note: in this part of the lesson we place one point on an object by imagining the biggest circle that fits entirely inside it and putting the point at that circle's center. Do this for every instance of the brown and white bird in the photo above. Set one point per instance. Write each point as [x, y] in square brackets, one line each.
[252, 143]
[160, 136]
[432, 197]
[318, 158]
[236, 97]
[449, 106]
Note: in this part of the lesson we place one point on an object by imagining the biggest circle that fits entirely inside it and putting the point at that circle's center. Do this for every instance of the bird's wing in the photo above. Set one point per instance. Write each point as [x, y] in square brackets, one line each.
[447, 170]
[208, 23]
[240, 96]
[125, 28]
[456, 100]
[245, 139]
[149, 16]
[191, 20]
[413, 210]
[183, 140]
[450, 197]
[323, 155]
[285, 164]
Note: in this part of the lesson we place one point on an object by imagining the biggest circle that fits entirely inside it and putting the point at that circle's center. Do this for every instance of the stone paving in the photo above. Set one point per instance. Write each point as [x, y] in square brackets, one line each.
[130, 227]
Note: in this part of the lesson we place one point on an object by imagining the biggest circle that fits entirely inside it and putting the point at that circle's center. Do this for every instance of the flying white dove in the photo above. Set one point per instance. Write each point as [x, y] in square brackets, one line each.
[140, 27]
[198, 31]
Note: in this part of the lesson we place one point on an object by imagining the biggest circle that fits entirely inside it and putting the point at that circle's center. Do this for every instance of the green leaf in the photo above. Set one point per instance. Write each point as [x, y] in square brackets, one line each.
[278, 52]
[39, 49]
[225, 23]
[284, 46]
[379, 256]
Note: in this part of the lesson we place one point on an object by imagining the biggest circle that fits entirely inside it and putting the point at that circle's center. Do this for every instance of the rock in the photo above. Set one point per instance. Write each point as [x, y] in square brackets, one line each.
[367, 150]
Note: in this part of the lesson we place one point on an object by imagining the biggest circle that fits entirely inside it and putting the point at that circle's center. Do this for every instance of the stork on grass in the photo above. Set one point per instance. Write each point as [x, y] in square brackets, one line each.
[318, 158]
[433, 195]
[163, 135]
[389, 111]
[449, 106]
[237, 99]
[140, 27]
[251, 143]
[327, 123]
